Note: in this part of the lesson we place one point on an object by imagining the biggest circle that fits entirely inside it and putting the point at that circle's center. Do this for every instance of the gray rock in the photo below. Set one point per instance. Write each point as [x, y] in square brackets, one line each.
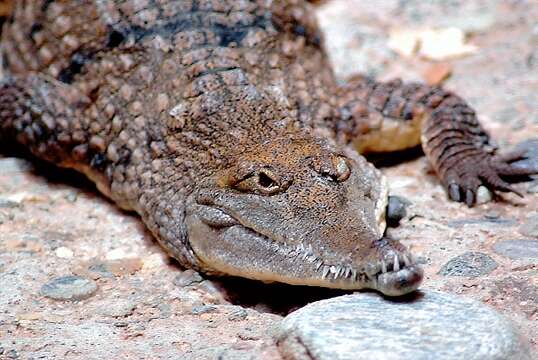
[485, 221]
[8, 204]
[483, 195]
[433, 325]
[530, 227]
[119, 308]
[187, 277]
[100, 270]
[517, 249]
[165, 311]
[213, 289]
[13, 165]
[203, 309]
[396, 209]
[238, 314]
[530, 147]
[533, 186]
[471, 264]
[12, 354]
[69, 288]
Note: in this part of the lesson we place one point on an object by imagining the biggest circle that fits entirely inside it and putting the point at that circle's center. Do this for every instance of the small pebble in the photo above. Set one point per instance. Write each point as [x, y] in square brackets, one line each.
[248, 334]
[530, 226]
[187, 277]
[69, 288]
[471, 264]
[213, 292]
[533, 187]
[64, 253]
[124, 266]
[396, 209]
[12, 354]
[517, 249]
[203, 309]
[492, 215]
[71, 197]
[154, 261]
[237, 315]
[165, 311]
[8, 204]
[118, 308]
[483, 195]
[100, 270]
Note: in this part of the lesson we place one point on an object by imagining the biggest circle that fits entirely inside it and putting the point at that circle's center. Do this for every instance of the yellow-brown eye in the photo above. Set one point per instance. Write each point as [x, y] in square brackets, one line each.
[262, 182]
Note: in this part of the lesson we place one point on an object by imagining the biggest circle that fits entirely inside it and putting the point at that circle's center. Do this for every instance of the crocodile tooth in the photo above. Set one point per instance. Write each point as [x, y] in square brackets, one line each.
[354, 274]
[339, 271]
[326, 270]
[383, 266]
[318, 264]
[406, 260]
[333, 269]
[371, 268]
[396, 266]
[304, 256]
[348, 271]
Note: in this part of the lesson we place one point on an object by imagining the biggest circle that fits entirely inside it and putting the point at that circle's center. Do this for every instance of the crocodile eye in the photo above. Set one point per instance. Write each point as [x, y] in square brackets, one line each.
[262, 182]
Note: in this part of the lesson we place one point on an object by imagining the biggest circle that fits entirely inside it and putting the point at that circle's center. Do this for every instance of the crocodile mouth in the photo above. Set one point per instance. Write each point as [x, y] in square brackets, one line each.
[393, 273]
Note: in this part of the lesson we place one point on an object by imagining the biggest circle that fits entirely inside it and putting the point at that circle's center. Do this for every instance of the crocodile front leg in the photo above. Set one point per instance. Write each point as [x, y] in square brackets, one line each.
[390, 116]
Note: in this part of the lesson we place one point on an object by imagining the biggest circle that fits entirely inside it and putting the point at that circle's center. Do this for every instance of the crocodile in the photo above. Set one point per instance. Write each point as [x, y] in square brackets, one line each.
[222, 125]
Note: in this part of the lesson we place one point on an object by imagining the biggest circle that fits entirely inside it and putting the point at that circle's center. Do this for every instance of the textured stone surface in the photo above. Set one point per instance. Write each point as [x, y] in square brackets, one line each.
[518, 249]
[434, 325]
[187, 277]
[69, 288]
[530, 226]
[470, 264]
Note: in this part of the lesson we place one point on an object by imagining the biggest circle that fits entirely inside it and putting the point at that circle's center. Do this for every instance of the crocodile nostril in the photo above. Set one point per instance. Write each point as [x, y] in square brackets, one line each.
[337, 171]
[342, 170]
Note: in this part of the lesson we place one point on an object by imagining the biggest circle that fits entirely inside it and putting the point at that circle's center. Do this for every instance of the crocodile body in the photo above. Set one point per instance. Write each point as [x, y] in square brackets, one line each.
[221, 124]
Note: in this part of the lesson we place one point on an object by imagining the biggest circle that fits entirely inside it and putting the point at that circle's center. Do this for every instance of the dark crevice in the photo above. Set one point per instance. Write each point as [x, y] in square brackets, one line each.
[46, 5]
[36, 27]
[115, 39]
[78, 60]
[395, 157]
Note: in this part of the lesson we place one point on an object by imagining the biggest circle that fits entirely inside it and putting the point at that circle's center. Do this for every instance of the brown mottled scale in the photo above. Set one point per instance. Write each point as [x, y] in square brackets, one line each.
[147, 97]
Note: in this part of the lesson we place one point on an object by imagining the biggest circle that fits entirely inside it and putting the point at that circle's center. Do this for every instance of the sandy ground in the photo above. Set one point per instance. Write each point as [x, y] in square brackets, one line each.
[54, 223]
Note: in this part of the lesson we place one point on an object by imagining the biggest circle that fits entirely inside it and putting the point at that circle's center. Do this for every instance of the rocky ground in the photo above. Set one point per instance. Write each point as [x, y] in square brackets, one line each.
[121, 297]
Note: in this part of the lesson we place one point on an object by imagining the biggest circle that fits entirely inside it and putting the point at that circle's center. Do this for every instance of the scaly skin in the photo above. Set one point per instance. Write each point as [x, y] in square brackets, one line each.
[221, 124]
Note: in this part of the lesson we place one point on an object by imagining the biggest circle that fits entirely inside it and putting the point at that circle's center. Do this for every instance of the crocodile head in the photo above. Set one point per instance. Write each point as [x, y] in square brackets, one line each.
[297, 211]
